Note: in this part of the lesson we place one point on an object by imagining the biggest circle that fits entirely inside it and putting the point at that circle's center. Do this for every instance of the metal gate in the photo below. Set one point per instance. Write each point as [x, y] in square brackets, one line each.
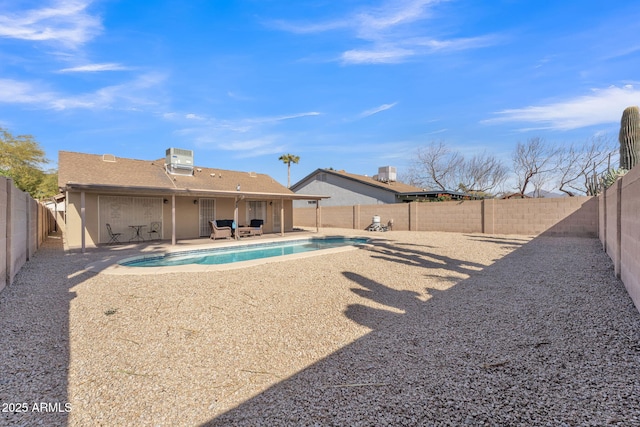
[277, 205]
[207, 213]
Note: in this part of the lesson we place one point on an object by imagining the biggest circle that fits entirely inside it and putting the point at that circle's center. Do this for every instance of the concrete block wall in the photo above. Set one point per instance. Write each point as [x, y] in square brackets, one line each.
[620, 230]
[3, 232]
[453, 216]
[17, 234]
[561, 216]
[24, 224]
[573, 216]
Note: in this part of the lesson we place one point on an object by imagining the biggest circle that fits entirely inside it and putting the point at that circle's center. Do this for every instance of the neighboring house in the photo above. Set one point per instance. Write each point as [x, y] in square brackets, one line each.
[348, 189]
[170, 194]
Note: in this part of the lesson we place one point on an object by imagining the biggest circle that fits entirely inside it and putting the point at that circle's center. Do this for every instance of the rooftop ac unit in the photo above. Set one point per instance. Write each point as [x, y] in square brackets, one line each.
[387, 174]
[179, 161]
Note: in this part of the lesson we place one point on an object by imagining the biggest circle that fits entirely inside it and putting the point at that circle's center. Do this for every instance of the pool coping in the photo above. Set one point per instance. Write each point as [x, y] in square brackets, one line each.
[111, 266]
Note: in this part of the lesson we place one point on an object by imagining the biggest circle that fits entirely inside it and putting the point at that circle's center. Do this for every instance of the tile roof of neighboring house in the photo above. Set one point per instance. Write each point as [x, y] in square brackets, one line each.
[92, 170]
[394, 186]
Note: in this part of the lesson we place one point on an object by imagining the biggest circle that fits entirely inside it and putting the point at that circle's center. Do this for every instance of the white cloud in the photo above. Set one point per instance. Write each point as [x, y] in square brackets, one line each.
[90, 68]
[16, 92]
[601, 106]
[293, 116]
[380, 55]
[280, 118]
[244, 137]
[192, 116]
[126, 96]
[454, 44]
[377, 110]
[64, 21]
[390, 15]
[309, 28]
[391, 33]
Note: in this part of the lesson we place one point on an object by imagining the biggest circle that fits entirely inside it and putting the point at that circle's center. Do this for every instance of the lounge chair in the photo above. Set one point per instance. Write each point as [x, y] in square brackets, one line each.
[219, 232]
[114, 236]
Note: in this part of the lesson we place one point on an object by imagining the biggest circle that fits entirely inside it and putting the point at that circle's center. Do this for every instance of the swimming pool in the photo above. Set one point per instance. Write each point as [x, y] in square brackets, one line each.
[233, 254]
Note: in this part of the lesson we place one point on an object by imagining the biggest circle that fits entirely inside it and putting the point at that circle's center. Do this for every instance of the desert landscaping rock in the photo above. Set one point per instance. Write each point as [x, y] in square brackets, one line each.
[422, 329]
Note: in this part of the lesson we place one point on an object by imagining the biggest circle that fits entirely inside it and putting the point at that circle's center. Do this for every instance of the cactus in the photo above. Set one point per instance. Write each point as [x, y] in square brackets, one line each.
[597, 184]
[609, 178]
[629, 138]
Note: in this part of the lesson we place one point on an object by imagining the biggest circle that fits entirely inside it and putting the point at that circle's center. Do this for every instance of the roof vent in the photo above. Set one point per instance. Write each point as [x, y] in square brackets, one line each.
[179, 161]
[108, 158]
[253, 174]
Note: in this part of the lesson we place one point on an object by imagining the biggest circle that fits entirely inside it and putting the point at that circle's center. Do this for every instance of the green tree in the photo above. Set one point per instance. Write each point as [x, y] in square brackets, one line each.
[21, 158]
[288, 159]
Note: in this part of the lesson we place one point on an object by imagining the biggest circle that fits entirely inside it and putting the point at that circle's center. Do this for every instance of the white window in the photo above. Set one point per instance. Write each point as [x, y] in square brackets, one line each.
[256, 210]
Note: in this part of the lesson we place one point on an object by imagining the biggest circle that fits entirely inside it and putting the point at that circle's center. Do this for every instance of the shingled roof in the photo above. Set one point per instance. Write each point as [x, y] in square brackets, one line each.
[92, 171]
[393, 186]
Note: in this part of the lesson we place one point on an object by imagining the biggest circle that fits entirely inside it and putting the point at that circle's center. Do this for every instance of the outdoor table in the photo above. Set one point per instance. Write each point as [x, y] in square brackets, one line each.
[137, 236]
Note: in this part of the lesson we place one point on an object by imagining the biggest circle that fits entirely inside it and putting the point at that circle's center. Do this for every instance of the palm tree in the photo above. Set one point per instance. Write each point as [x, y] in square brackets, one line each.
[288, 159]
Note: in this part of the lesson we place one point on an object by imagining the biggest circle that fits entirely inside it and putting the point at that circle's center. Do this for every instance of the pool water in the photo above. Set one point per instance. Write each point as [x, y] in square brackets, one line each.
[242, 253]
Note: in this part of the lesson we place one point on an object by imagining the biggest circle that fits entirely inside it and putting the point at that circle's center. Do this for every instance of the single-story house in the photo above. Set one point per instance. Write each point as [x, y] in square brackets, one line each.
[168, 198]
[347, 189]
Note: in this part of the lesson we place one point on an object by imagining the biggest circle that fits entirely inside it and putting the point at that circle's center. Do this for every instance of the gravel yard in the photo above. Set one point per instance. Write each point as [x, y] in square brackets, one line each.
[423, 329]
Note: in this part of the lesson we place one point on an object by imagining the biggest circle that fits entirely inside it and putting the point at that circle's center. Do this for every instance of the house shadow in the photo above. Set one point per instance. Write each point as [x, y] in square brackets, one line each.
[34, 318]
[528, 340]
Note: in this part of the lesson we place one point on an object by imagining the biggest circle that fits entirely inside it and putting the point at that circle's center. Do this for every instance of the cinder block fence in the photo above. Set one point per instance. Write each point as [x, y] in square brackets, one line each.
[619, 229]
[24, 225]
[575, 216]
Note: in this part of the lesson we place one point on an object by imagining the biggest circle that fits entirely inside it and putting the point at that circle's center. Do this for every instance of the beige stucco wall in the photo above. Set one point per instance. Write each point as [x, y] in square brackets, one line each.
[187, 218]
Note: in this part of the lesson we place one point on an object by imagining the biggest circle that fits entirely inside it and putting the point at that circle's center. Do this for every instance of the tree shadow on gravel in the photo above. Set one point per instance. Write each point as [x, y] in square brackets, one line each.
[506, 241]
[34, 320]
[421, 258]
[544, 336]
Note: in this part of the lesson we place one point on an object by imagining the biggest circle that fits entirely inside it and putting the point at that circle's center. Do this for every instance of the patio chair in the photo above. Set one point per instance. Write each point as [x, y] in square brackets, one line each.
[114, 236]
[219, 232]
[154, 230]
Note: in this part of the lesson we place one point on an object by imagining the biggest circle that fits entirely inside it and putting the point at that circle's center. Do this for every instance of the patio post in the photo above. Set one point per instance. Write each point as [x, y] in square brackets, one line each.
[235, 217]
[282, 217]
[173, 219]
[318, 216]
[83, 223]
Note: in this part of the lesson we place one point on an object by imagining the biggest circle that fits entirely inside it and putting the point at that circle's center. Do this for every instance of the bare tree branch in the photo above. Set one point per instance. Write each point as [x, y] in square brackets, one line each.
[579, 162]
[436, 166]
[481, 174]
[533, 159]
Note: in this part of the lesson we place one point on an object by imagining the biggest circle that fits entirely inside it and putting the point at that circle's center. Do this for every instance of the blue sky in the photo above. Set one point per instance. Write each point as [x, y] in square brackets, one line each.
[349, 84]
